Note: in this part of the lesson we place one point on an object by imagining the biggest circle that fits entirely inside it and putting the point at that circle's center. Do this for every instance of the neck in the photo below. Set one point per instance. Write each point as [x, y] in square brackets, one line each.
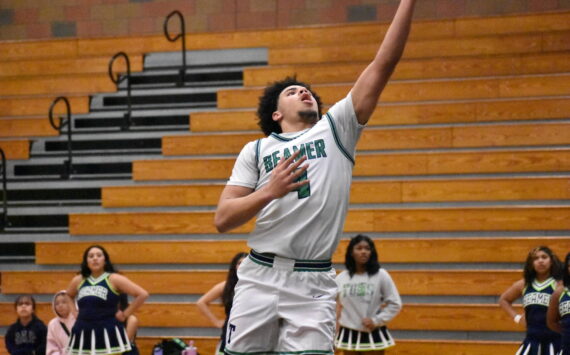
[96, 274]
[291, 127]
[360, 269]
[26, 320]
[542, 277]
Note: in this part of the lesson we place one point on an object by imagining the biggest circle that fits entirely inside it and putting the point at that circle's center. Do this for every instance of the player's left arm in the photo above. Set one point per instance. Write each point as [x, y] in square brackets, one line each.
[373, 79]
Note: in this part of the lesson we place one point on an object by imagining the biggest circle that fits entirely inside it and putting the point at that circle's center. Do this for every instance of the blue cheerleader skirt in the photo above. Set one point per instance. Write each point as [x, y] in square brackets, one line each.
[98, 337]
[535, 347]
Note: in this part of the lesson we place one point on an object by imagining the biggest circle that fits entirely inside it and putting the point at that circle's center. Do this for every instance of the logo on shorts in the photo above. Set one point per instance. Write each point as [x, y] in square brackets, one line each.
[231, 329]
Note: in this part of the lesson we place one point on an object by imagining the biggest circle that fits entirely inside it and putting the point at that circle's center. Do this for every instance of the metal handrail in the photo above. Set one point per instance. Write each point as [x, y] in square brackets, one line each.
[182, 34]
[4, 222]
[127, 117]
[68, 165]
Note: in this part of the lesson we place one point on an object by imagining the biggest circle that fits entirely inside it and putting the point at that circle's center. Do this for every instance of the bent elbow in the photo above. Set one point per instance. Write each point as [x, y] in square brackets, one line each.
[221, 224]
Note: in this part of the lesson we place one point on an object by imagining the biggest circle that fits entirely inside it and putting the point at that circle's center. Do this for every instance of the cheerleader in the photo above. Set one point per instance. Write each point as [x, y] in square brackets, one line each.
[542, 271]
[99, 328]
[224, 291]
[558, 317]
[367, 301]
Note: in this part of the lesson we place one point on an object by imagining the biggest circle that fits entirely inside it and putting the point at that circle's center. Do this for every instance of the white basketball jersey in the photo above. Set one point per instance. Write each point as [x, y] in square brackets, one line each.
[304, 224]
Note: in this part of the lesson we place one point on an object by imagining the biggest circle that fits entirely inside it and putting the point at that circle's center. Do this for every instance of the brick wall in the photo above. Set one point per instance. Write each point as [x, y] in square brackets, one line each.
[37, 19]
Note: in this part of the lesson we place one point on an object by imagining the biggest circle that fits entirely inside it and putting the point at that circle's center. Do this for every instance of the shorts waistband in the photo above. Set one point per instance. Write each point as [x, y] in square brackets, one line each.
[271, 260]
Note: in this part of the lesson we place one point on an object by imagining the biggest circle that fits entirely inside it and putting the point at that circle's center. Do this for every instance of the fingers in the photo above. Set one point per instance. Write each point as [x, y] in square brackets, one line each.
[286, 162]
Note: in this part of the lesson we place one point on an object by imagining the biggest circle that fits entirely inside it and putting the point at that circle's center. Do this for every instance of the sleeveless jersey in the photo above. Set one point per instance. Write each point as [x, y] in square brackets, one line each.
[304, 224]
[564, 309]
[97, 299]
[536, 298]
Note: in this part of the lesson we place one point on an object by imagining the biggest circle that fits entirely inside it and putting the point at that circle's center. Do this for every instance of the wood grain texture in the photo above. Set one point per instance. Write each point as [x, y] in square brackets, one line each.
[65, 66]
[409, 282]
[39, 106]
[467, 89]
[466, 317]
[397, 191]
[377, 164]
[13, 150]
[517, 218]
[56, 85]
[26, 127]
[405, 114]
[428, 68]
[391, 250]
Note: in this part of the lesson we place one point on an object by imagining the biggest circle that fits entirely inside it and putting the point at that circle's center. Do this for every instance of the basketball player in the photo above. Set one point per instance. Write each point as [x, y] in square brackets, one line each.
[297, 181]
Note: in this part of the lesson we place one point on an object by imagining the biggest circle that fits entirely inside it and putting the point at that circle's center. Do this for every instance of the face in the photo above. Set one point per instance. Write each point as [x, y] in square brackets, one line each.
[541, 262]
[361, 252]
[24, 308]
[62, 306]
[95, 260]
[295, 101]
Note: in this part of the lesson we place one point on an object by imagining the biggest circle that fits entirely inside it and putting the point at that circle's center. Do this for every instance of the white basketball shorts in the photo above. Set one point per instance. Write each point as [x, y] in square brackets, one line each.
[282, 306]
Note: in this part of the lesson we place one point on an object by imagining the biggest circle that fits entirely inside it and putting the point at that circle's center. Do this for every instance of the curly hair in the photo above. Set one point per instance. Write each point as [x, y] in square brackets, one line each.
[529, 273]
[372, 266]
[269, 100]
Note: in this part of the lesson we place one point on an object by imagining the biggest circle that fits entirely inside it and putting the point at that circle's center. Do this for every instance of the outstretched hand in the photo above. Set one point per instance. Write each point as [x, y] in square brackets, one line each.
[285, 175]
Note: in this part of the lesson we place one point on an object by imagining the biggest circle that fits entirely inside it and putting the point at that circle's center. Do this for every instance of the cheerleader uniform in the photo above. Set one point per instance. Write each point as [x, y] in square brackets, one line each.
[539, 339]
[96, 330]
[564, 309]
[361, 296]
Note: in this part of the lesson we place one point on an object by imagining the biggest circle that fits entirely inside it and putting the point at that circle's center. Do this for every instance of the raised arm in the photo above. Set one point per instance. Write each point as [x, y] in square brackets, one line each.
[373, 79]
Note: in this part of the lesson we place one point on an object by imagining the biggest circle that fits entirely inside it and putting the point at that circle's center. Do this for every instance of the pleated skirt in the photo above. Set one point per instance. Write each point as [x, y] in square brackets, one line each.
[99, 337]
[355, 340]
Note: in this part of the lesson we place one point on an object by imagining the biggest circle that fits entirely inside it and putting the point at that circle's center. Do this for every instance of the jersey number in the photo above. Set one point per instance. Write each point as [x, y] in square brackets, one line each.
[305, 190]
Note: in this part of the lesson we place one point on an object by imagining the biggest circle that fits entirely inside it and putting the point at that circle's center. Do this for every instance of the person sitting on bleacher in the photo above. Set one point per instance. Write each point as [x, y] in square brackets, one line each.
[59, 327]
[28, 335]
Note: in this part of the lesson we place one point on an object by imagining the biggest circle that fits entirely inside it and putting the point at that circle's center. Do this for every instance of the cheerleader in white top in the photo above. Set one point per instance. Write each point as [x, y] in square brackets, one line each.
[367, 300]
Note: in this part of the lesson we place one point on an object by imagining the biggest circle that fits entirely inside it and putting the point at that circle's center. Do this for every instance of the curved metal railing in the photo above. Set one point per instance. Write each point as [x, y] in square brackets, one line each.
[127, 117]
[4, 221]
[63, 122]
[182, 35]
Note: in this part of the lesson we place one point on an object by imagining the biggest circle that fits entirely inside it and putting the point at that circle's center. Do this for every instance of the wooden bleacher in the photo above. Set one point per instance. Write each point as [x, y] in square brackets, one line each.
[410, 282]
[493, 70]
[461, 67]
[37, 106]
[397, 191]
[65, 66]
[472, 317]
[375, 164]
[467, 89]
[410, 114]
[408, 138]
[391, 250]
[207, 345]
[16, 149]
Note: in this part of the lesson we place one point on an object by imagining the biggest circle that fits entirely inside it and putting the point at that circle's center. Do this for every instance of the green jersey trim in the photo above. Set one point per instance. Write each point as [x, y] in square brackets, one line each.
[337, 139]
